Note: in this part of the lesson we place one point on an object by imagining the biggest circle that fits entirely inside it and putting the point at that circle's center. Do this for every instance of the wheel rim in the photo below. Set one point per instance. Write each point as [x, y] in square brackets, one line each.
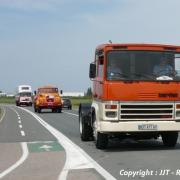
[94, 130]
[80, 124]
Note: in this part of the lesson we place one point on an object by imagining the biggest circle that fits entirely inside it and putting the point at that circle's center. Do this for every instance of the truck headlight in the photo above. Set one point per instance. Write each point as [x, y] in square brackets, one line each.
[177, 113]
[177, 110]
[111, 114]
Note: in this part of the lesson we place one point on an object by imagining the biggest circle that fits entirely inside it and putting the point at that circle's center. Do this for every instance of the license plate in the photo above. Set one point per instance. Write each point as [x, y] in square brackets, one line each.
[147, 127]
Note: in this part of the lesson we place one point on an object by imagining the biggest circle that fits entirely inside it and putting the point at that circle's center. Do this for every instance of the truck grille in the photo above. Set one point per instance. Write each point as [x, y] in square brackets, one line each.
[148, 111]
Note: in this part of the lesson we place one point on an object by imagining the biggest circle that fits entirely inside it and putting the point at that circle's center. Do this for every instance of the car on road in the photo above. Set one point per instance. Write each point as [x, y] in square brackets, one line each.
[66, 103]
[47, 97]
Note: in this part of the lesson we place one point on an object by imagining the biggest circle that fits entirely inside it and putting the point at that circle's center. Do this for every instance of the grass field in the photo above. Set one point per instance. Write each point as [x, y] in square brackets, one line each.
[9, 100]
[75, 100]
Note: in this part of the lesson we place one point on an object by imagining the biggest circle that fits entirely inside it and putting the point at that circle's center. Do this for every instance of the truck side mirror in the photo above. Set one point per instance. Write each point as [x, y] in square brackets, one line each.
[35, 92]
[61, 91]
[92, 71]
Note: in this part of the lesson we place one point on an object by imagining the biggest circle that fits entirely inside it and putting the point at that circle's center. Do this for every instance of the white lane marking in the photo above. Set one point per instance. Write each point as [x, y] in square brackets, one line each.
[70, 113]
[23, 133]
[15, 112]
[19, 162]
[20, 126]
[3, 115]
[76, 158]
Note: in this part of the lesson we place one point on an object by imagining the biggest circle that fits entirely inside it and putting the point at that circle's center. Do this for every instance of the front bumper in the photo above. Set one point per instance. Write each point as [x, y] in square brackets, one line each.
[104, 126]
[25, 102]
[50, 106]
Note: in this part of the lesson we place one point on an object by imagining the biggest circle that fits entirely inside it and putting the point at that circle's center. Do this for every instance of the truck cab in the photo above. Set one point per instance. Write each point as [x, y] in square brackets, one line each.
[132, 97]
[47, 97]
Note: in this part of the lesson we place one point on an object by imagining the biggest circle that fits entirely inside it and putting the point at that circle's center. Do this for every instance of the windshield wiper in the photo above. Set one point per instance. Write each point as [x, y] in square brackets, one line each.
[117, 75]
[144, 75]
[122, 74]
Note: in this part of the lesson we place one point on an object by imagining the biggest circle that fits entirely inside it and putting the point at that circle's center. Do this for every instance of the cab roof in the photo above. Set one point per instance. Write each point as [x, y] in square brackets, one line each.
[48, 86]
[136, 46]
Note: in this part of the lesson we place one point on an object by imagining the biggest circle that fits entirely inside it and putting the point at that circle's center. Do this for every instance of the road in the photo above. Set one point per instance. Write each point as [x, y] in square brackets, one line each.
[48, 146]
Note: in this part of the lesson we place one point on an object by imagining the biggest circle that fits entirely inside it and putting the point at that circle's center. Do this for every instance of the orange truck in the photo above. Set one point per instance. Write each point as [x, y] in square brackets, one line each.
[47, 97]
[136, 94]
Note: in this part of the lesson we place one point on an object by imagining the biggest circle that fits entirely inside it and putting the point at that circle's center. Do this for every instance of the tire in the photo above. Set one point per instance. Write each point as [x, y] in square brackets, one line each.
[54, 110]
[169, 138]
[59, 110]
[17, 104]
[35, 109]
[101, 139]
[39, 110]
[85, 130]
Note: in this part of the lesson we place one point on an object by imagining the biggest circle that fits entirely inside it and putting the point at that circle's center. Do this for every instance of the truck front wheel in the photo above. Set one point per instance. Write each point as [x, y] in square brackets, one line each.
[101, 139]
[169, 138]
[39, 110]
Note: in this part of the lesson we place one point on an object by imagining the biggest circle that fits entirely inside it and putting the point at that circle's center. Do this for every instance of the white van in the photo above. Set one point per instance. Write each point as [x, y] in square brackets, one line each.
[24, 95]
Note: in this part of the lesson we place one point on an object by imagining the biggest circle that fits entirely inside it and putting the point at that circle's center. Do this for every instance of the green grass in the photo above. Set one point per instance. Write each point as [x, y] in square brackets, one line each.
[77, 100]
[7, 100]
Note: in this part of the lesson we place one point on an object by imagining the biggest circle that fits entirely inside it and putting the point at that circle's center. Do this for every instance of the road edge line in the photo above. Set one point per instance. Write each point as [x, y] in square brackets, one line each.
[3, 115]
[57, 133]
[19, 162]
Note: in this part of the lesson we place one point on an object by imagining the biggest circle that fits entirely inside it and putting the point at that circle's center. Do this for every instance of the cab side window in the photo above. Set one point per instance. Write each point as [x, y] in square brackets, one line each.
[100, 64]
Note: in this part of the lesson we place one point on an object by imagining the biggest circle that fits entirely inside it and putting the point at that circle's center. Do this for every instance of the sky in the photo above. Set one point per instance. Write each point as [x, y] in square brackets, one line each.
[46, 42]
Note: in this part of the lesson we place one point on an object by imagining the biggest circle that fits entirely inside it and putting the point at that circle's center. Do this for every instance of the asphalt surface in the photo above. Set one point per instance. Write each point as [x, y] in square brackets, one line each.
[128, 159]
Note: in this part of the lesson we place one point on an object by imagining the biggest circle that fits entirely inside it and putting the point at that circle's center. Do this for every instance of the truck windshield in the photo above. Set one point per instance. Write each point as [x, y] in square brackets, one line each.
[143, 65]
[25, 94]
[48, 90]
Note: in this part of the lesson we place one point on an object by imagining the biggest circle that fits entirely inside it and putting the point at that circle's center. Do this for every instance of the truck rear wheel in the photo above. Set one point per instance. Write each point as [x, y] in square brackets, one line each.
[84, 128]
[169, 138]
